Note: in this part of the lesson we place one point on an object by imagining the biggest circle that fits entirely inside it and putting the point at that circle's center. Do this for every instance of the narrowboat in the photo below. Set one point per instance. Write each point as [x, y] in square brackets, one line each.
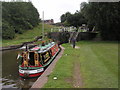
[33, 62]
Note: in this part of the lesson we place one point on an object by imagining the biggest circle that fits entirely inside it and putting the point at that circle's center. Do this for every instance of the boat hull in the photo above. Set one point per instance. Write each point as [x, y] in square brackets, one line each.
[30, 75]
[31, 72]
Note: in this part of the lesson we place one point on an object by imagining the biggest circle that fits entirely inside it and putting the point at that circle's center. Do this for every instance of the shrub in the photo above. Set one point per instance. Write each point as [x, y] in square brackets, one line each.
[7, 31]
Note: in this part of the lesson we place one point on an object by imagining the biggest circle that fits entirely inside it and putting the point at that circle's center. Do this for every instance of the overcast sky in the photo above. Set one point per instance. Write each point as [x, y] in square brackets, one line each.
[53, 9]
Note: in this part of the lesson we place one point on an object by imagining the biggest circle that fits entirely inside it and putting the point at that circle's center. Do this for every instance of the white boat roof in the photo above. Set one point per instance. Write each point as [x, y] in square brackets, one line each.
[42, 49]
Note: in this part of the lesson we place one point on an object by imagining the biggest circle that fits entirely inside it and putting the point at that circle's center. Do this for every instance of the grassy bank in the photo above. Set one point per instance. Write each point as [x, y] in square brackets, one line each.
[98, 66]
[27, 36]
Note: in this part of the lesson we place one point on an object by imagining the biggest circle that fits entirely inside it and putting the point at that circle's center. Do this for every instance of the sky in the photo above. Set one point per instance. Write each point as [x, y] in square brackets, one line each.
[53, 9]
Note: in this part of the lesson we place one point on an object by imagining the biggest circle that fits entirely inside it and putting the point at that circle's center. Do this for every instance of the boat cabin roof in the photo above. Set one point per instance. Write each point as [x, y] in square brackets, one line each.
[42, 49]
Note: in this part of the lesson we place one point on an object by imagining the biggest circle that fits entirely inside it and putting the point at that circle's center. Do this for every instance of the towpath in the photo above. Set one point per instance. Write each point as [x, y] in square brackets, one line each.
[76, 47]
[44, 77]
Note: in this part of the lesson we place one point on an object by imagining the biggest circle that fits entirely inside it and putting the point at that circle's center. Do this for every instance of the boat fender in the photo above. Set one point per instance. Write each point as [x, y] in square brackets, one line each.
[26, 74]
[18, 56]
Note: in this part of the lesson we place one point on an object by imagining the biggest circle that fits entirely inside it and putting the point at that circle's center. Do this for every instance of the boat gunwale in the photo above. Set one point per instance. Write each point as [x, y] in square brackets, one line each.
[36, 67]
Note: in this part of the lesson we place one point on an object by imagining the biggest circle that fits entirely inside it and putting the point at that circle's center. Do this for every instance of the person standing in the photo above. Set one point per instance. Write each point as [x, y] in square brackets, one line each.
[73, 42]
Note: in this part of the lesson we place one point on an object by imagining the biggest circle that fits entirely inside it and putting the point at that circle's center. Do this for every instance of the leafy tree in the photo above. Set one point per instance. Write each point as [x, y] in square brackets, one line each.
[8, 31]
[105, 17]
[21, 16]
[65, 16]
[76, 19]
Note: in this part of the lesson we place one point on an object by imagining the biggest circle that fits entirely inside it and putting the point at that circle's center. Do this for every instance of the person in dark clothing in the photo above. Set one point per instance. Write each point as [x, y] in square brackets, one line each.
[73, 42]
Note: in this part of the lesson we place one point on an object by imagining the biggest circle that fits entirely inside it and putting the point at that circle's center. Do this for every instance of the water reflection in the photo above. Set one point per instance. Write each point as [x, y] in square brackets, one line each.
[10, 75]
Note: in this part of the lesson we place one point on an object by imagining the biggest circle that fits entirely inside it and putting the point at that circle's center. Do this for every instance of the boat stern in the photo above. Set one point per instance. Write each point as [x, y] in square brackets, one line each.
[30, 73]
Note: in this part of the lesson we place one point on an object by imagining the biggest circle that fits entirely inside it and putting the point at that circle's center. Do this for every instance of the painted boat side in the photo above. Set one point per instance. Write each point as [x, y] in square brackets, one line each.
[37, 71]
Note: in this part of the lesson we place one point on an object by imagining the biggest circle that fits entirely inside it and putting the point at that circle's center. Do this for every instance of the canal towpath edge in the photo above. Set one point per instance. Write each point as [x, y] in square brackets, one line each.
[44, 77]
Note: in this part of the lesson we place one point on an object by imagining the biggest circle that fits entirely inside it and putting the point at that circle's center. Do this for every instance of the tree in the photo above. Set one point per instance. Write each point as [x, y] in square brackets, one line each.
[105, 17]
[76, 19]
[65, 16]
[21, 16]
[7, 31]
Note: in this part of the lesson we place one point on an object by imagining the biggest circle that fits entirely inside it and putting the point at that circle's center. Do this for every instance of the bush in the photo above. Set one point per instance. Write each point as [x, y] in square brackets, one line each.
[19, 16]
[7, 31]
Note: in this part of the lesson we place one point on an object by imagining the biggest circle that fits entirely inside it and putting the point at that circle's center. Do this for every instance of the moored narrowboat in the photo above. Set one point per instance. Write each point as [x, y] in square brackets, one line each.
[33, 62]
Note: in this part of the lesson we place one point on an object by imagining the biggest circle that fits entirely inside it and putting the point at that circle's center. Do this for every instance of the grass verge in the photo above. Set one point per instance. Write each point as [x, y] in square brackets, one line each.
[98, 66]
[27, 36]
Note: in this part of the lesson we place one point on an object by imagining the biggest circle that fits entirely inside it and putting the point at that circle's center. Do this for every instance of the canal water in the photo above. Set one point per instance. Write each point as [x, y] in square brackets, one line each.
[10, 75]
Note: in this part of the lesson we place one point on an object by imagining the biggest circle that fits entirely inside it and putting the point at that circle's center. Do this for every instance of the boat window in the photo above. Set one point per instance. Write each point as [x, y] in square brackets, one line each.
[31, 58]
[40, 59]
[34, 57]
[46, 56]
[54, 49]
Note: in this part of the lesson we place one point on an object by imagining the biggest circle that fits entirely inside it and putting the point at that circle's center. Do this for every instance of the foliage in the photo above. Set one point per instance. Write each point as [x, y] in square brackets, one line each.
[65, 16]
[21, 16]
[105, 17]
[27, 36]
[8, 31]
[102, 16]
[76, 19]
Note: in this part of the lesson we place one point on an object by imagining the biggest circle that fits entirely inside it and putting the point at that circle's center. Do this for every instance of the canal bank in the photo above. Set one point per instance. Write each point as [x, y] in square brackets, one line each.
[10, 74]
[40, 82]
[11, 47]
